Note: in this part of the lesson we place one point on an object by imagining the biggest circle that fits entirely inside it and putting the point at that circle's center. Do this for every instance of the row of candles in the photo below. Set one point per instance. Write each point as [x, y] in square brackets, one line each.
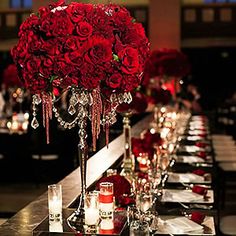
[98, 206]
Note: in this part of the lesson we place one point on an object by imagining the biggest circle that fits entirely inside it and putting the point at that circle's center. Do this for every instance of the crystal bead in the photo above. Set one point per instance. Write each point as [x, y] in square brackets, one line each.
[37, 99]
[120, 98]
[71, 110]
[125, 97]
[83, 98]
[112, 120]
[113, 97]
[74, 99]
[34, 123]
[129, 98]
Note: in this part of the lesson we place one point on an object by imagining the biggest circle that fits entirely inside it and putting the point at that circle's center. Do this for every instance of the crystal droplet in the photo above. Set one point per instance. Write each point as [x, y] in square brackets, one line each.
[83, 98]
[90, 99]
[34, 123]
[125, 97]
[71, 110]
[113, 97]
[129, 98]
[121, 98]
[37, 99]
[74, 99]
[112, 120]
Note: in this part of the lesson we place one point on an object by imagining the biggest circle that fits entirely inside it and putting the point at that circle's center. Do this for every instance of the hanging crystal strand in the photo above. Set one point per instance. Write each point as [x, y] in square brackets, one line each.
[47, 112]
[77, 219]
[96, 115]
[36, 101]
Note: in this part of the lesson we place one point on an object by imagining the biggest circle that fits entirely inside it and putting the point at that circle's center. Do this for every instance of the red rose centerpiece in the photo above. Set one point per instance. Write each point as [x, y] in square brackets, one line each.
[162, 71]
[96, 52]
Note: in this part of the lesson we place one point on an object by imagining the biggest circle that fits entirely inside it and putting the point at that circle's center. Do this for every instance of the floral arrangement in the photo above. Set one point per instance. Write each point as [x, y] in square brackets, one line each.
[10, 77]
[158, 96]
[122, 188]
[97, 50]
[166, 63]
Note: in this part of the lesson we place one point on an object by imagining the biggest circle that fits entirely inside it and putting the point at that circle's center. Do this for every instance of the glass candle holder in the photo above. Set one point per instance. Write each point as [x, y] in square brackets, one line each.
[55, 203]
[106, 227]
[91, 207]
[106, 203]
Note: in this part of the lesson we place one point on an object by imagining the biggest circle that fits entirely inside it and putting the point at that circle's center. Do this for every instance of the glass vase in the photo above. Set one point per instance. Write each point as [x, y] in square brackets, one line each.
[128, 164]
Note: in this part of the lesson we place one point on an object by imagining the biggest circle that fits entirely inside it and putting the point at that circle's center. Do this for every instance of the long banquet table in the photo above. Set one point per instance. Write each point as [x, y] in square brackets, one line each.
[30, 217]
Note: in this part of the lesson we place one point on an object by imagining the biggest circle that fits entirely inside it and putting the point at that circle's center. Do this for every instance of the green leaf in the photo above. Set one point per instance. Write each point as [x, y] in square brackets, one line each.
[52, 78]
[115, 57]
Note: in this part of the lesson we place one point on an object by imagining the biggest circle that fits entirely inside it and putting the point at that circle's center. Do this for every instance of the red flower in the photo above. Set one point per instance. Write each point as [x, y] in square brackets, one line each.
[114, 80]
[129, 59]
[84, 30]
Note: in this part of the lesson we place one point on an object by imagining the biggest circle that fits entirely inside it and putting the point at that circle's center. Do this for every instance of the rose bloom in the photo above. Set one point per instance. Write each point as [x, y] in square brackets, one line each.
[114, 80]
[130, 61]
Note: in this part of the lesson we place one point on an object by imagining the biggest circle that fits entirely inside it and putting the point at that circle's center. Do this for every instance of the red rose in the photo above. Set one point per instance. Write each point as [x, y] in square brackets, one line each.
[62, 24]
[84, 30]
[98, 50]
[129, 59]
[33, 64]
[129, 82]
[68, 81]
[71, 43]
[34, 83]
[114, 80]
[74, 58]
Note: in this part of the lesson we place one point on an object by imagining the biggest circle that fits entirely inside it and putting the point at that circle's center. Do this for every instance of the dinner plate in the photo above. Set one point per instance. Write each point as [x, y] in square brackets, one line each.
[188, 178]
[187, 196]
[166, 223]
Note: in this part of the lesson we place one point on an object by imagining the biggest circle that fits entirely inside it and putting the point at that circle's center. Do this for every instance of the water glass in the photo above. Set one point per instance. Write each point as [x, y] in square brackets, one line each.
[139, 228]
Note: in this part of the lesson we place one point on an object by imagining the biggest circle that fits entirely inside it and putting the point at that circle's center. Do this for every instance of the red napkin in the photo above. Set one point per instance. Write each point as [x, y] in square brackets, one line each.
[200, 144]
[197, 217]
[199, 190]
[203, 155]
[199, 172]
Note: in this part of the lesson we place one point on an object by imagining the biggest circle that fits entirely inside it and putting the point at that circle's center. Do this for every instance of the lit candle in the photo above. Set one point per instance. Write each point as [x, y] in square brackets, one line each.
[106, 204]
[91, 216]
[55, 203]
